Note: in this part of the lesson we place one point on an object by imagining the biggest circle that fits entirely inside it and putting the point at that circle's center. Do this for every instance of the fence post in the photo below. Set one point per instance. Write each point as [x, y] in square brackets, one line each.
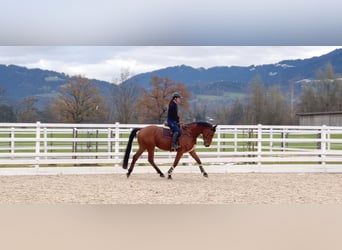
[37, 143]
[323, 145]
[218, 141]
[117, 143]
[45, 142]
[284, 136]
[259, 145]
[235, 140]
[12, 144]
[74, 143]
[328, 133]
[109, 144]
[97, 144]
[271, 140]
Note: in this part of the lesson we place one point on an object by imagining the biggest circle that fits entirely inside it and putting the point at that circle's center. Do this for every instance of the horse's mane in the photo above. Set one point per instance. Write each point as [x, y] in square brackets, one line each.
[202, 124]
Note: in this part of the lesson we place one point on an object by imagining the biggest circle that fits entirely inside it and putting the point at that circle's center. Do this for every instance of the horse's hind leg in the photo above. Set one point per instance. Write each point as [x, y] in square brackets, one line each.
[151, 161]
[197, 159]
[135, 158]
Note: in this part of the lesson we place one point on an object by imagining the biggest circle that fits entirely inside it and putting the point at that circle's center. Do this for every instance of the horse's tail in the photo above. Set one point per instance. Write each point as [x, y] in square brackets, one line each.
[129, 147]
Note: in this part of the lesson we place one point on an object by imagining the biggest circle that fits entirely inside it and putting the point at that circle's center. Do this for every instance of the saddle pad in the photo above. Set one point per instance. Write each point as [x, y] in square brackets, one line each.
[166, 132]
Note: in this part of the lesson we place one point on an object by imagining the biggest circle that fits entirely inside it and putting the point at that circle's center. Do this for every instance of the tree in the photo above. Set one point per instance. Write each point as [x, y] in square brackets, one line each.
[277, 108]
[152, 105]
[329, 89]
[308, 102]
[323, 94]
[124, 99]
[256, 102]
[236, 113]
[199, 111]
[79, 102]
[27, 111]
[2, 95]
[6, 113]
[266, 105]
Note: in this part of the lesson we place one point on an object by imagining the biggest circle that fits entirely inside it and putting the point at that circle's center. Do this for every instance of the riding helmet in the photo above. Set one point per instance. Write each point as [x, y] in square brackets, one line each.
[176, 95]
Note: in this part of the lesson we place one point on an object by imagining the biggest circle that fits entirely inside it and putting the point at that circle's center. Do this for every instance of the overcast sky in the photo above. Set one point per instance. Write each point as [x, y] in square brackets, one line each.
[84, 37]
[106, 62]
[170, 22]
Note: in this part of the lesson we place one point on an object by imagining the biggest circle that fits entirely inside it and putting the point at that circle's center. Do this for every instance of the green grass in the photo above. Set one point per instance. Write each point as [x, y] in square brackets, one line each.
[252, 145]
[225, 96]
[89, 146]
[228, 146]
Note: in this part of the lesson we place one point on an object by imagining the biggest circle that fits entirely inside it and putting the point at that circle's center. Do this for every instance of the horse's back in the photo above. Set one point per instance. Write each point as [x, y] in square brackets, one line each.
[149, 133]
[152, 135]
[149, 130]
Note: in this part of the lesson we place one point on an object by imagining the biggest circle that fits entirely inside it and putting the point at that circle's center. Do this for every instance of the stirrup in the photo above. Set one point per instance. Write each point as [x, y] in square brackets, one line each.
[175, 147]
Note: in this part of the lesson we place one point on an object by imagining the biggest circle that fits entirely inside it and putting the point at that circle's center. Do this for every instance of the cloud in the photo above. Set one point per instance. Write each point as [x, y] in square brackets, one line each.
[106, 62]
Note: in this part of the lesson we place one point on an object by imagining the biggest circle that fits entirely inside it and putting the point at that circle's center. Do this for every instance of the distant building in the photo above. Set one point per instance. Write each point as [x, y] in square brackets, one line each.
[320, 118]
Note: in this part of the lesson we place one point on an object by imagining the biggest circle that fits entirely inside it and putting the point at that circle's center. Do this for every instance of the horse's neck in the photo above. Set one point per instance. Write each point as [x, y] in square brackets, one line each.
[195, 131]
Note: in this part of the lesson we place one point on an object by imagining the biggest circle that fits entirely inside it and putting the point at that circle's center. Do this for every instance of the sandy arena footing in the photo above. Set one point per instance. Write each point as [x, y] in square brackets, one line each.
[185, 188]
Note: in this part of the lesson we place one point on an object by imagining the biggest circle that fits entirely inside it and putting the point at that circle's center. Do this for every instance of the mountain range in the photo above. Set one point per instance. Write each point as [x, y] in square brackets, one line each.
[227, 83]
[20, 82]
[232, 82]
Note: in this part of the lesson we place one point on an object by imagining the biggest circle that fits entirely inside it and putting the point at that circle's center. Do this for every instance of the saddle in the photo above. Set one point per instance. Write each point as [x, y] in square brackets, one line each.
[167, 132]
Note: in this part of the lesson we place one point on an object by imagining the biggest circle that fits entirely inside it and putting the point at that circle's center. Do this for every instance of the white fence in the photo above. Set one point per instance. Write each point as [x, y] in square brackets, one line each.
[234, 148]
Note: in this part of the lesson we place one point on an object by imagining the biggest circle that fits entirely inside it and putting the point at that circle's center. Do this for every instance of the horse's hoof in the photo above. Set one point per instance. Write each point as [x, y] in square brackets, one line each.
[205, 175]
[128, 174]
[162, 175]
[169, 177]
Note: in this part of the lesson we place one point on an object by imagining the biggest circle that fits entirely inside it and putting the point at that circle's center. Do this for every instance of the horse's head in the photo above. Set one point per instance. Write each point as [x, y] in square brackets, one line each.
[208, 134]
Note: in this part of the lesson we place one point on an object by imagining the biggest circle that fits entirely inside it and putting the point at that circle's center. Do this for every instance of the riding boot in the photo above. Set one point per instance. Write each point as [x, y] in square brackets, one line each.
[174, 144]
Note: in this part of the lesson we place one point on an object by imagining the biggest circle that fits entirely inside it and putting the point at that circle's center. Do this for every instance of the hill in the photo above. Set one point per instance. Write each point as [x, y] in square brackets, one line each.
[220, 83]
[19, 82]
[232, 82]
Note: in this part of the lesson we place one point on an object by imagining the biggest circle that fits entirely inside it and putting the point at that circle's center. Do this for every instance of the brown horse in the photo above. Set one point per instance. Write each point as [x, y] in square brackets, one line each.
[153, 136]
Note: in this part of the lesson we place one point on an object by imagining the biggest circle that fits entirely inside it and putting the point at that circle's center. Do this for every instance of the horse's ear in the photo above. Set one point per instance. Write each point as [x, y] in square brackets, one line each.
[214, 127]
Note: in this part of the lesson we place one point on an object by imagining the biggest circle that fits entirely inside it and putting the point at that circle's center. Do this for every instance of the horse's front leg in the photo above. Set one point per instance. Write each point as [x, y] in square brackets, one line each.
[197, 159]
[175, 163]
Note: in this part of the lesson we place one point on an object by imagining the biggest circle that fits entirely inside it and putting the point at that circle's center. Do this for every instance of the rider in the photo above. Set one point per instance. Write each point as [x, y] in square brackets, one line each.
[173, 120]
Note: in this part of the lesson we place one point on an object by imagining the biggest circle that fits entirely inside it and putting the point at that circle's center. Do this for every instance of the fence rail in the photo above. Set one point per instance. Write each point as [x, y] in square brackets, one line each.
[259, 147]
